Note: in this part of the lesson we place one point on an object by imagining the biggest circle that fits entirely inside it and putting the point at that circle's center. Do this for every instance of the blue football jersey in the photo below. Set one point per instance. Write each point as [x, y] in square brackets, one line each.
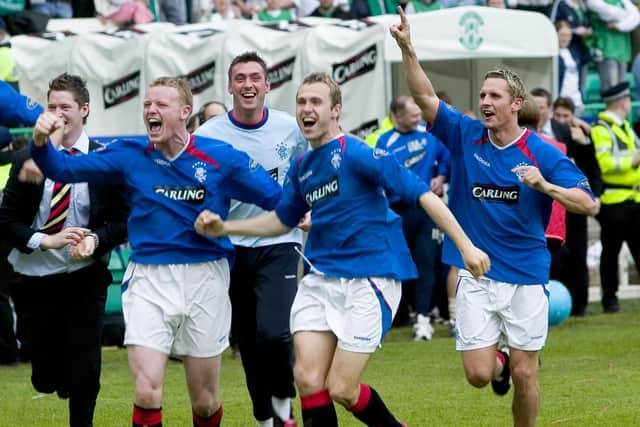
[419, 151]
[166, 196]
[500, 214]
[17, 109]
[353, 234]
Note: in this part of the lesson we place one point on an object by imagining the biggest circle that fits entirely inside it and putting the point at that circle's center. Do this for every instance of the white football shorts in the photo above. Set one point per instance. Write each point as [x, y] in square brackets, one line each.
[358, 311]
[488, 312]
[178, 309]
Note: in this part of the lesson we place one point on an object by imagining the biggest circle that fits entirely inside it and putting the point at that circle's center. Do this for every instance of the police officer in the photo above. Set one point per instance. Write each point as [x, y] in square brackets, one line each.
[618, 154]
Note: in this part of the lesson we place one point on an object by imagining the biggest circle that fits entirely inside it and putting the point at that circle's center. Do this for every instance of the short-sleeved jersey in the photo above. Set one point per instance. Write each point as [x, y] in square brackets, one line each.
[272, 142]
[353, 232]
[419, 151]
[17, 109]
[501, 215]
[166, 196]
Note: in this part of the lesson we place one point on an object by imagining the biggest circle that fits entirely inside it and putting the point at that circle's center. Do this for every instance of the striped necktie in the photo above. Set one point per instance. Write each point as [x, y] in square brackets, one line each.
[60, 200]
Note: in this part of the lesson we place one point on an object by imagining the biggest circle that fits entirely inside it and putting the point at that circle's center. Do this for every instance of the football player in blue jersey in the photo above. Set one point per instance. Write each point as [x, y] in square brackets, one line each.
[356, 255]
[503, 181]
[175, 290]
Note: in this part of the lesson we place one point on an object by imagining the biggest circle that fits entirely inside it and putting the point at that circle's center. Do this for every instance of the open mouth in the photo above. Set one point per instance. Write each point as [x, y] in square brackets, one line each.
[487, 114]
[154, 124]
[308, 122]
[248, 95]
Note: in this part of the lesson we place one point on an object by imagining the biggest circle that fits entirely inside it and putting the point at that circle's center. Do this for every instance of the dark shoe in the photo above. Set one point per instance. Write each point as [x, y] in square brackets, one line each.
[501, 386]
[277, 422]
[613, 307]
[62, 393]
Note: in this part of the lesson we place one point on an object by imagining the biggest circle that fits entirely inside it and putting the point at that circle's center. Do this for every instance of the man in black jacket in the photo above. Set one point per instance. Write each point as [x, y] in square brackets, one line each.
[62, 237]
[573, 257]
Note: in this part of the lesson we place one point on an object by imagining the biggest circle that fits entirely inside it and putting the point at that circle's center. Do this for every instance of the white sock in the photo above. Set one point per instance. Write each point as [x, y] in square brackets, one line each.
[281, 407]
[265, 423]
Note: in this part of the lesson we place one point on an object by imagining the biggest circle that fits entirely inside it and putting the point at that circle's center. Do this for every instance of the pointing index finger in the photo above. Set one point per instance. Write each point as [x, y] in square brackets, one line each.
[403, 16]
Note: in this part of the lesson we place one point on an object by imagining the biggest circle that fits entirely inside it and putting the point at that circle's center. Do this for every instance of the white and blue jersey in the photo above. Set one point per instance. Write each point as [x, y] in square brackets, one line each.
[166, 196]
[272, 142]
[419, 151]
[501, 215]
[17, 109]
[353, 234]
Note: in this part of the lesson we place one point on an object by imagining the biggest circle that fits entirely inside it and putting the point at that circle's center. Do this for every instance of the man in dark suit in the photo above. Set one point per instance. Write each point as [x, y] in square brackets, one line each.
[573, 256]
[62, 237]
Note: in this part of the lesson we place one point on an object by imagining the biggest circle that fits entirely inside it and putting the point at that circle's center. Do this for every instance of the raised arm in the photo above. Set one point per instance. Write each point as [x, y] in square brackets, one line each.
[419, 85]
[475, 260]
[265, 225]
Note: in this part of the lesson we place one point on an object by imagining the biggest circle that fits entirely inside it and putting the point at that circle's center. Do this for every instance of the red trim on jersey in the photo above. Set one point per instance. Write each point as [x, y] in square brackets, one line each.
[149, 148]
[192, 150]
[521, 143]
[316, 400]
[363, 399]
[343, 141]
[146, 417]
[482, 140]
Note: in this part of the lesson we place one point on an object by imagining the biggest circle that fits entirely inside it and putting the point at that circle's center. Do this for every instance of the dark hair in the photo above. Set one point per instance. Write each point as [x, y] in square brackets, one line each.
[243, 58]
[565, 102]
[73, 84]
[542, 93]
[399, 104]
[204, 107]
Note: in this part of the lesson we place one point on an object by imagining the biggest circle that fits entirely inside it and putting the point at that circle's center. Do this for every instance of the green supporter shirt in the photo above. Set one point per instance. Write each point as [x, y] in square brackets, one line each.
[613, 44]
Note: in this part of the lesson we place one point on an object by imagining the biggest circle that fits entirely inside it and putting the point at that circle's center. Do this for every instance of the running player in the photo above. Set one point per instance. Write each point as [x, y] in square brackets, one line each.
[175, 290]
[264, 276]
[356, 254]
[503, 181]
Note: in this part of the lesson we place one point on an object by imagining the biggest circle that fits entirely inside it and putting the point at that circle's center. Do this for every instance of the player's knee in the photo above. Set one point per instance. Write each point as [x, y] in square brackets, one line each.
[523, 373]
[307, 378]
[343, 393]
[478, 377]
[205, 406]
[147, 395]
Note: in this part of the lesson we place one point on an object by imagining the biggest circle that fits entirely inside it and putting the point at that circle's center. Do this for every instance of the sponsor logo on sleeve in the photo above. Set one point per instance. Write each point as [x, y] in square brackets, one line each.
[359, 64]
[281, 72]
[494, 193]
[327, 190]
[201, 78]
[121, 90]
[192, 195]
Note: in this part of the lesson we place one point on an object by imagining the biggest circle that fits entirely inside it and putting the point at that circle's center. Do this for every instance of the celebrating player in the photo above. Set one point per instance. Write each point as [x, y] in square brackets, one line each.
[355, 251]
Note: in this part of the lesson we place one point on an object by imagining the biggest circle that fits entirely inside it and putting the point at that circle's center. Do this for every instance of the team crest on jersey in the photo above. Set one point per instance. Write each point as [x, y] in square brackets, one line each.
[416, 145]
[520, 173]
[336, 158]
[200, 171]
[282, 150]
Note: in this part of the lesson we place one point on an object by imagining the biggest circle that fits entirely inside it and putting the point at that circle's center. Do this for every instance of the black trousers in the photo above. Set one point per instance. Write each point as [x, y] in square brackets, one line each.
[618, 223]
[263, 286]
[8, 342]
[574, 262]
[64, 316]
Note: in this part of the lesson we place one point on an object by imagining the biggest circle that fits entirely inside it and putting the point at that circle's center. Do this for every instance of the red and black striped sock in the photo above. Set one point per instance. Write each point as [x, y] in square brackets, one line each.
[371, 410]
[143, 417]
[212, 421]
[318, 410]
